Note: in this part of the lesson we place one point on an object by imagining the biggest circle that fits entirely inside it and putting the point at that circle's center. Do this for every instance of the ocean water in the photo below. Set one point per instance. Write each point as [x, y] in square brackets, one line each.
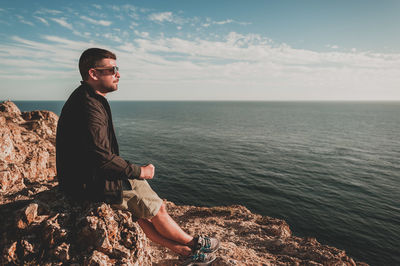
[330, 169]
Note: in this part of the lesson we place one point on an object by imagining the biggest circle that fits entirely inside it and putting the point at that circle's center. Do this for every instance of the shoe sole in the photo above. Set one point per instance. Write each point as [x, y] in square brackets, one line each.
[202, 263]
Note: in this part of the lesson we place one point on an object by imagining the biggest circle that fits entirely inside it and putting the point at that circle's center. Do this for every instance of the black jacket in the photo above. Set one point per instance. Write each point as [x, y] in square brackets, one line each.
[88, 161]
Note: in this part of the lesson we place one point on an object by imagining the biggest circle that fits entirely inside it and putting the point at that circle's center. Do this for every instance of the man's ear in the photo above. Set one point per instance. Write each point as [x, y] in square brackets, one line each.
[93, 74]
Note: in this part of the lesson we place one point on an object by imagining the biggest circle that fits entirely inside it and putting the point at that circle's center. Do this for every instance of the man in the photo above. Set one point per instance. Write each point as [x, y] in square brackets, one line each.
[89, 166]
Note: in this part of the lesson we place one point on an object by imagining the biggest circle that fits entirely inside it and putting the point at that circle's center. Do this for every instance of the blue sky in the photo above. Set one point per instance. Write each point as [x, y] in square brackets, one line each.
[206, 50]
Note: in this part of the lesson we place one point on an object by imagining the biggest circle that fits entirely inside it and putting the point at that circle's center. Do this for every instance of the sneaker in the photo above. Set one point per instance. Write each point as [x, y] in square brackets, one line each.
[206, 244]
[200, 259]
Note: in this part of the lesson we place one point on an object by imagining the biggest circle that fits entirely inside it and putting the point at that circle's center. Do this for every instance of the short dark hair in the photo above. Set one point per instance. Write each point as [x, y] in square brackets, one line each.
[90, 59]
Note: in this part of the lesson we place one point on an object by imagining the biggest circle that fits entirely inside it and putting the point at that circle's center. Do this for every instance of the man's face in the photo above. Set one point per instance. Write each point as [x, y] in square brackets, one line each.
[107, 77]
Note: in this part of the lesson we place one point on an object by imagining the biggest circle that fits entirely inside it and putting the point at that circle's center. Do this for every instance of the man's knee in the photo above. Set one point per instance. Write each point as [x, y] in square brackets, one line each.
[162, 211]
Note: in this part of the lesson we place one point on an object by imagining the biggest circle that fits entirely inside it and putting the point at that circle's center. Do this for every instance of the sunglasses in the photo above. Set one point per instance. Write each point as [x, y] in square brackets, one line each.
[113, 69]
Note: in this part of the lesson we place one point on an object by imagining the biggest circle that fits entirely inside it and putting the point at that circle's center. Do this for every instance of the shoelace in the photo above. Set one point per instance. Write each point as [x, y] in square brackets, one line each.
[208, 242]
[199, 256]
[205, 243]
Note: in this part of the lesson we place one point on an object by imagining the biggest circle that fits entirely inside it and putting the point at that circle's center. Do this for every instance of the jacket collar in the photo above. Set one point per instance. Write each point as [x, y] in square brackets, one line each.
[91, 91]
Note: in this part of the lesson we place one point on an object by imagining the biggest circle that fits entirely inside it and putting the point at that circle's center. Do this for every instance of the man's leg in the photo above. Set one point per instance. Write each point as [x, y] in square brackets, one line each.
[156, 237]
[168, 228]
[143, 202]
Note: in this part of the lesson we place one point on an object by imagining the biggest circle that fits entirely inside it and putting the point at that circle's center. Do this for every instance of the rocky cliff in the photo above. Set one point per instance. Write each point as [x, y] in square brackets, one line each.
[39, 225]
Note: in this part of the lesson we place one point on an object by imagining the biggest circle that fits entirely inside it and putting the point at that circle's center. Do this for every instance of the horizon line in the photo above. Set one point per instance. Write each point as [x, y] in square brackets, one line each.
[193, 100]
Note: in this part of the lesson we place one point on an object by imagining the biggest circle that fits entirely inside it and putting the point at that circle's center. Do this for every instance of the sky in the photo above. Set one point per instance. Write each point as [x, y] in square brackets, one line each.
[282, 50]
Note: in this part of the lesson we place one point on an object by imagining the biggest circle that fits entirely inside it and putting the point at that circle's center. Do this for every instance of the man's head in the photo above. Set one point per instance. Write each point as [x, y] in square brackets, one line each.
[98, 68]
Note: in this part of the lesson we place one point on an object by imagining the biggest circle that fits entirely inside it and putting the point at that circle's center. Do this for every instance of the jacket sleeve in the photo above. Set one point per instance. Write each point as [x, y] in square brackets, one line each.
[107, 164]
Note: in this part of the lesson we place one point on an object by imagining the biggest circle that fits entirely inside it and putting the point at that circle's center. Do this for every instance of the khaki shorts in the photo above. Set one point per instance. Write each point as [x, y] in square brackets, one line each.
[141, 201]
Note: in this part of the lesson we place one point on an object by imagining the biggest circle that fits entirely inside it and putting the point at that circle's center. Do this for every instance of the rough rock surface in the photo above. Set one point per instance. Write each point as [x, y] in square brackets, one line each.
[40, 226]
[249, 239]
[53, 230]
[27, 148]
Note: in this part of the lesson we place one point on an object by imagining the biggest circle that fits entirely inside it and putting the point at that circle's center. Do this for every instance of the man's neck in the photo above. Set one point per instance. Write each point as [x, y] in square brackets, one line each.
[96, 90]
[100, 93]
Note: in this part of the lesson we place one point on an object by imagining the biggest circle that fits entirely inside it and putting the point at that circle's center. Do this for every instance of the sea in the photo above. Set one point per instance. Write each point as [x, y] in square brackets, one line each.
[330, 169]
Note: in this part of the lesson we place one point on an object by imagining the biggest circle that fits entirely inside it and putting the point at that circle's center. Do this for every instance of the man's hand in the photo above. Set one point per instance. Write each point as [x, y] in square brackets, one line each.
[147, 172]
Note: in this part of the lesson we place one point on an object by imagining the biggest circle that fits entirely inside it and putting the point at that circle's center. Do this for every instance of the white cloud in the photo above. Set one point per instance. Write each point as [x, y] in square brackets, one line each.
[141, 34]
[169, 17]
[223, 22]
[42, 20]
[48, 11]
[97, 22]
[332, 46]
[161, 17]
[133, 15]
[62, 22]
[112, 37]
[129, 7]
[116, 8]
[252, 62]
[66, 42]
[133, 25]
[27, 22]
[230, 66]
[223, 68]
[82, 34]
[22, 20]
[209, 22]
[131, 11]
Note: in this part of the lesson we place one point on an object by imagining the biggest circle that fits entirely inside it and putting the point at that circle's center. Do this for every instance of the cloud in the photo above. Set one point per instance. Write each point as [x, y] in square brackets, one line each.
[220, 66]
[48, 11]
[253, 62]
[27, 22]
[223, 22]
[131, 11]
[96, 6]
[82, 34]
[42, 20]
[53, 59]
[116, 8]
[334, 46]
[112, 37]
[210, 22]
[39, 60]
[141, 34]
[22, 20]
[161, 17]
[66, 42]
[62, 22]
[97, 22]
